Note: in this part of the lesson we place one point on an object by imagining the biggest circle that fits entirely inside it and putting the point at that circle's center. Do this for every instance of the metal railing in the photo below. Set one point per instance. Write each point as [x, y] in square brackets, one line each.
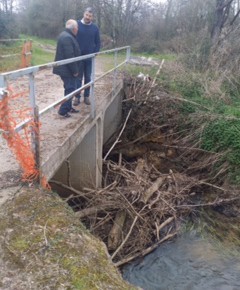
[31, 71]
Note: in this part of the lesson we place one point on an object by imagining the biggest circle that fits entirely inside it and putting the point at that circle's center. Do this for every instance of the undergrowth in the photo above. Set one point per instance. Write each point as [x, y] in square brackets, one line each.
[224, 136]
[209, 94]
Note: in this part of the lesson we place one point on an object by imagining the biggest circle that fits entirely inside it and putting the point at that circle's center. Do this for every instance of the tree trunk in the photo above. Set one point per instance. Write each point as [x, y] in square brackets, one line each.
[220, 17]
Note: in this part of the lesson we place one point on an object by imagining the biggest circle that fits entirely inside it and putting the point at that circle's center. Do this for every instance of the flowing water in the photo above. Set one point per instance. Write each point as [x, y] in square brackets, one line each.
[190, 262]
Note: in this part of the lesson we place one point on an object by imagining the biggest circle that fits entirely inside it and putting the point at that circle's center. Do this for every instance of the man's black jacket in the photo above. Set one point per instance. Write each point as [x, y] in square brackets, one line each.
[67, 47]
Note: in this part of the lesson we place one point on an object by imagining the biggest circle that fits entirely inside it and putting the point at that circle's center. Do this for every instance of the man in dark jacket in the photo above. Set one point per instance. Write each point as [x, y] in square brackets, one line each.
[89, 42]
[67, 47]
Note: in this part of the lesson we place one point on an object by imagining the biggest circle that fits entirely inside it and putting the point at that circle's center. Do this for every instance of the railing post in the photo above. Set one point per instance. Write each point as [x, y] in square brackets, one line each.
[2, 87]
[92, 95]
[115, 70]
[23, 55]
[128, 53]
[35, 127]
[36, 142]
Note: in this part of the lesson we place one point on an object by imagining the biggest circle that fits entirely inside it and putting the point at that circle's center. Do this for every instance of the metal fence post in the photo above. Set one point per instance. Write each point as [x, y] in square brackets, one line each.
[128, 53]
[35, 127]
[2, 87]
[92, 95]
[115, 71]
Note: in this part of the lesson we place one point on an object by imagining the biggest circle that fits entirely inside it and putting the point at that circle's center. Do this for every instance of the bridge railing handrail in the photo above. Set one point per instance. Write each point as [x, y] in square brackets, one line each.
[33, 69]
[30, 71]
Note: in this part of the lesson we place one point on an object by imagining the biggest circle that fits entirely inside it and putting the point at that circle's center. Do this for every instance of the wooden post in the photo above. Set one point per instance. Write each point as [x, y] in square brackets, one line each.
[26, 54]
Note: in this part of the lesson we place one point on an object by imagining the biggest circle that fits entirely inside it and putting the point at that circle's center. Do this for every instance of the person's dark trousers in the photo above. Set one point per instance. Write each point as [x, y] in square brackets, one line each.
[85, 71]
[70, 85]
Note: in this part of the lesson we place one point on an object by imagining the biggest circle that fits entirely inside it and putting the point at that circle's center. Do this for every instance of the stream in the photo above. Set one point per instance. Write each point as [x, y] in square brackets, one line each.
[189, 262]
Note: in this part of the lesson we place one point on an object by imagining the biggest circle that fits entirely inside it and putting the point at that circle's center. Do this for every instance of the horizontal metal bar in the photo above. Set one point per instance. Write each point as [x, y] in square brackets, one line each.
[19, 73]
[22, 125]
[9, 55]
[78, 90]
[22, 72]
[65, 98]
[112, 50]
[111, 70]
[13, 39]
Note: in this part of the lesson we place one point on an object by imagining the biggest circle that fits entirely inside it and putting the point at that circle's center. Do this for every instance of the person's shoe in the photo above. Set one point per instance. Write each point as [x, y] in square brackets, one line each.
[74, 111]
[64, 115]
[87, 101]
[76, 102]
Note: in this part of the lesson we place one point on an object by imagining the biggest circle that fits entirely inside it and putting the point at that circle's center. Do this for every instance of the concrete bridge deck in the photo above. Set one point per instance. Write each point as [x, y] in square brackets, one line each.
[61, 137]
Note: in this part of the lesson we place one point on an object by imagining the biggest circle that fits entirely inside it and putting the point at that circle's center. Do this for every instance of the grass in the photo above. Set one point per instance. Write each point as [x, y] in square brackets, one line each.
[40, 56]
[42, 52]
[11, 55]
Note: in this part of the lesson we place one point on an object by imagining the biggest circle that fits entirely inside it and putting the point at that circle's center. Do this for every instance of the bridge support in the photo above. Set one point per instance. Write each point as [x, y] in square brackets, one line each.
[83, 168]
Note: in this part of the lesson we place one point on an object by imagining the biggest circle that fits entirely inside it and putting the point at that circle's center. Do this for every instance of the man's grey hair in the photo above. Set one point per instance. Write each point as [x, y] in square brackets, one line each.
[71, 24]
[89, 10]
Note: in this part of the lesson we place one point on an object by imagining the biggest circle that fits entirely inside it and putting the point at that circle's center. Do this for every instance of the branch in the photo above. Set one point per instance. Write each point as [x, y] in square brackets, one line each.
[153, 83]
[235, 17]
[117, 140]
[145, 252]
[95, 209]
[124, 241]
[224, 5]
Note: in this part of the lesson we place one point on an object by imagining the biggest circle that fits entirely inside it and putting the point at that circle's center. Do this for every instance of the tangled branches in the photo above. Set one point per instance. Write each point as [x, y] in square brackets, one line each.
[155, 182]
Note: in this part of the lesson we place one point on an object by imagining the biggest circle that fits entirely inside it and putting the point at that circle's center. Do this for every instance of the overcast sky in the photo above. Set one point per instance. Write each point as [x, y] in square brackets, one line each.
[159, 1]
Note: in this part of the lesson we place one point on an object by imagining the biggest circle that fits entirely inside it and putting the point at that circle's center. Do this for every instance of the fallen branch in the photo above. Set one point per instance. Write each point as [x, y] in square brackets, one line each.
[162, 225]
[124, 241]
[145, 252]
[117, 140]
[95, 209]
[217, 202]
[153, 188]
[77, 192]
[153, 83]
[115, 234]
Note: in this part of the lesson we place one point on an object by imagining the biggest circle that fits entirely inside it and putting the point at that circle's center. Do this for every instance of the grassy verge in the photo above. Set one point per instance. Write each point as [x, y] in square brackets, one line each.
[43, 51]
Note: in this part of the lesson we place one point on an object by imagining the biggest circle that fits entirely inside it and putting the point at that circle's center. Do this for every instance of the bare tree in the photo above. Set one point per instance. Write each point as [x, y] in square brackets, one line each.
[222, 13]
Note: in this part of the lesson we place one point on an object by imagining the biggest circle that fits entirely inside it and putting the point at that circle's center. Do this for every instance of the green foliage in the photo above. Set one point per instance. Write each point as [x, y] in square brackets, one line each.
[224, 136]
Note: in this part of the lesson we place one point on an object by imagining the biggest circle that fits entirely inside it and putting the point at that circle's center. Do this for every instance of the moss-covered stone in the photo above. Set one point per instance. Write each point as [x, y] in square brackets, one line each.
[43, 245]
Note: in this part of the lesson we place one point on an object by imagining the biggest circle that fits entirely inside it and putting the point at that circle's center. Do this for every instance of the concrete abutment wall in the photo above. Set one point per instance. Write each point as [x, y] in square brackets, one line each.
[83, 168]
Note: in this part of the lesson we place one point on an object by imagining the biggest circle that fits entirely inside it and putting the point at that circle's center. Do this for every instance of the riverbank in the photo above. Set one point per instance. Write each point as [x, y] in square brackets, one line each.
[44, 246]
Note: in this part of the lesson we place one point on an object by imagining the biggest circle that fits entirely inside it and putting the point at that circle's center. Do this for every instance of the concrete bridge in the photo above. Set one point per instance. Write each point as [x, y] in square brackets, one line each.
[70, 150]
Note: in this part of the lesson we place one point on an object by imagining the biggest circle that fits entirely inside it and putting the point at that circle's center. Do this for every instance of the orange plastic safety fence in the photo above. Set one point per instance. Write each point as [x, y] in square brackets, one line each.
[19, 143]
